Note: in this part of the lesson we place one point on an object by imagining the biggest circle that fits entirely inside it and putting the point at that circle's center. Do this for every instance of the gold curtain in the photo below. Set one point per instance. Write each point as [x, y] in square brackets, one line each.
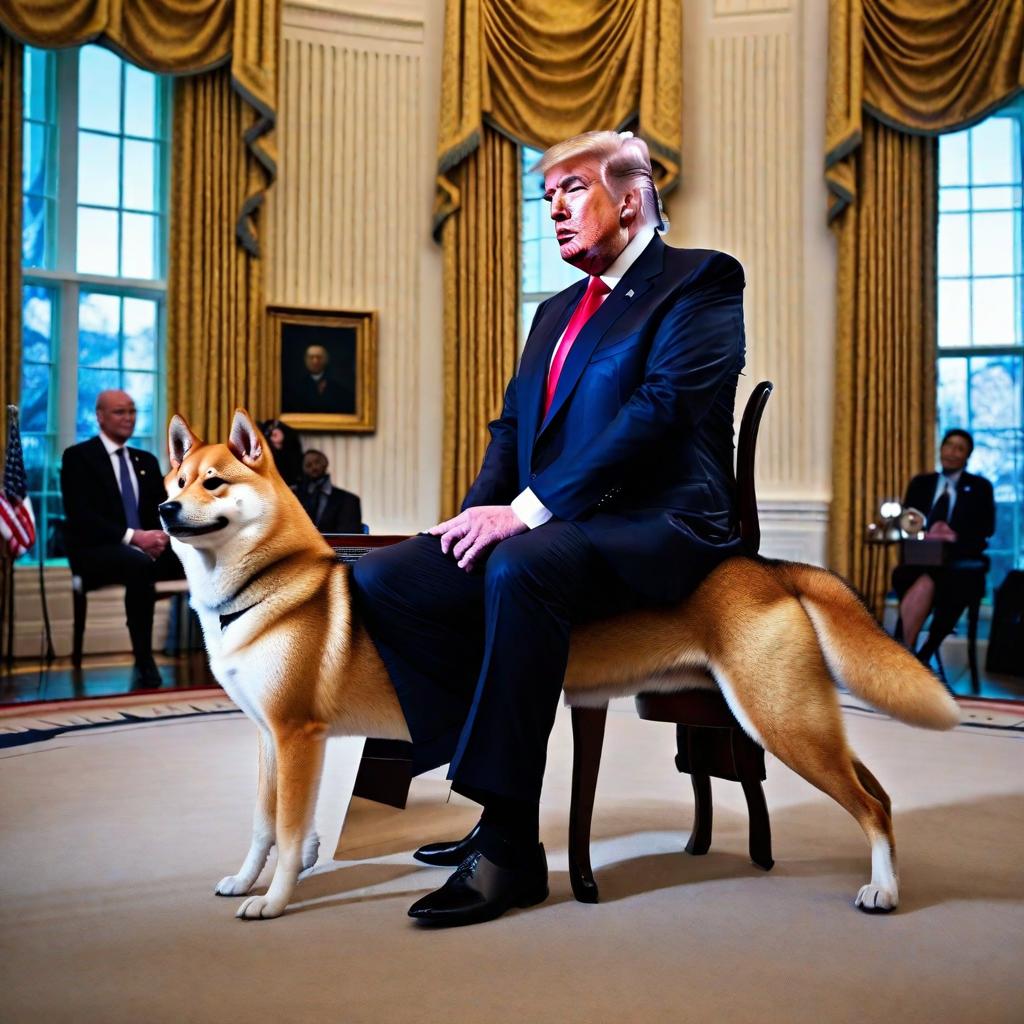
[537, 72]
[11, 69]
[224, 159]
[885, 352]
[900, 73]
[481, 306]
[216, 357]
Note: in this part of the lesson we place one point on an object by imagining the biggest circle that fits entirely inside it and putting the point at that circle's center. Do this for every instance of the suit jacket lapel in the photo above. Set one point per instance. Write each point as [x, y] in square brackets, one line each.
[636, 280]
[104, 468]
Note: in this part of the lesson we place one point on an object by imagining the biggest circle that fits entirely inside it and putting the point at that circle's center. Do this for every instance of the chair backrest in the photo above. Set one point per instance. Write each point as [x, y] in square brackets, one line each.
[746, 499]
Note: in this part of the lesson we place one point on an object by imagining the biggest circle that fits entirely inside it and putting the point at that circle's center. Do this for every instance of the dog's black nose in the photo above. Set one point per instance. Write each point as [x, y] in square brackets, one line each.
[169, 511]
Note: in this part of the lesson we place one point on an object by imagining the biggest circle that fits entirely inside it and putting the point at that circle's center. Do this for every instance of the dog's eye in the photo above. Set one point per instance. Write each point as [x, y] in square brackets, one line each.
[181, 481]
[214, 482]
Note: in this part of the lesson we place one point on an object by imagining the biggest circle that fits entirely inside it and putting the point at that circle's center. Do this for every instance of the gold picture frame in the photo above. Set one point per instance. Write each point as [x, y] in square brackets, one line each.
[334, 389]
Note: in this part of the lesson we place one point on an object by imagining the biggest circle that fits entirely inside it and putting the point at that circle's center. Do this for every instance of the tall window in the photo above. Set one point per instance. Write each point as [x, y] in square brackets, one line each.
[544, 270]
[981, 312]
[94, 246]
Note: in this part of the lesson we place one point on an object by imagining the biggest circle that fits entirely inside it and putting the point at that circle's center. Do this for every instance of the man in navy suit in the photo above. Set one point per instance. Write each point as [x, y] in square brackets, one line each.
[959, 508]
[113, 532]
[608, 482]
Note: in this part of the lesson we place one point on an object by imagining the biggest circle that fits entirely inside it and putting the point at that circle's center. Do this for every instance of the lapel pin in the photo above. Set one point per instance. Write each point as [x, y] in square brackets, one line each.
[142, 472]
[629, 294]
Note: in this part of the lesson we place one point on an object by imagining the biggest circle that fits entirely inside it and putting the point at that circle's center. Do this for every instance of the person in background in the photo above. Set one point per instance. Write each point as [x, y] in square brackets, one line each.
[331, 509]
[286, 447]
[959, 508]
[113, 532]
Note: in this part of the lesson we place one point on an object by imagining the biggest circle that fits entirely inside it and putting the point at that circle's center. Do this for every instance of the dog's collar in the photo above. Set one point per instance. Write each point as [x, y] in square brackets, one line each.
[226, 620]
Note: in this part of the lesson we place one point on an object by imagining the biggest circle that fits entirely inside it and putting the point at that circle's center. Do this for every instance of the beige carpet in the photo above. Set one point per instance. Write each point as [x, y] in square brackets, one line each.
[112, 839]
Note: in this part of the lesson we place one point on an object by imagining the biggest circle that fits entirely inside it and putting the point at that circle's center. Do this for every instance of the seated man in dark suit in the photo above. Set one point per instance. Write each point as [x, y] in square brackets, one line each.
[960, 509]
[331, 509]
[113, 534]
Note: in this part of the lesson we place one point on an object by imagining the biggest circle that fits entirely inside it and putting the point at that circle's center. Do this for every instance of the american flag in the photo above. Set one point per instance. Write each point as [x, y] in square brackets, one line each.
[17, 523]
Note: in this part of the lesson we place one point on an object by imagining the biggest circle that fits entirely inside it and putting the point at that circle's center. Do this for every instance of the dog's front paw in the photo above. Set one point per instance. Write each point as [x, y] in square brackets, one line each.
[877, 899]
[233, 885]
[259, 908]
[310, 849]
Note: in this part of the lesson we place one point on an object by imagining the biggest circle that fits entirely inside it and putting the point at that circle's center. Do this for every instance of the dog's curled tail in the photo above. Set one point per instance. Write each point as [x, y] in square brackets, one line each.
[861, 655]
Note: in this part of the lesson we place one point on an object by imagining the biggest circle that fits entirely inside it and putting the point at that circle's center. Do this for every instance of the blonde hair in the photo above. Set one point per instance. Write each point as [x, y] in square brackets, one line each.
[625, 163]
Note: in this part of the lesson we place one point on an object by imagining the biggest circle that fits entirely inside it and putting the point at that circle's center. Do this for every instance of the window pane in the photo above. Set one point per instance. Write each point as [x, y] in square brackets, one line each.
[35, 143]
[954, 309]
[37, 218]
[531, 266]
[992, 243]
[953, 199]
[34, 448]
[995, 311]
[952, 399]
[140, 105]
[35, 396]
[138, 245]
[36, 323]
[994, 152]
[953, 159]
[99, 89]
[995, 392]
[996, 197]
[140, 386]
[953, 250]
[37, 95]
[98, 169]
[90, 384]
[139, 334]
[97, 241]
[139, 175]
[99, 329]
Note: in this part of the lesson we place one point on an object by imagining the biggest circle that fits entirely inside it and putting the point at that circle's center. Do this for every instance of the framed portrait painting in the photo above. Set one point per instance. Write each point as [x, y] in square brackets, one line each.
[328, 367]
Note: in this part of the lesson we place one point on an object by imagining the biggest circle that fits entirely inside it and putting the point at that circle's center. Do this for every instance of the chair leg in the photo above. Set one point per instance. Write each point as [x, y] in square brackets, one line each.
[80, 605]
[700, 838]
[587, 740]
[973, 614]
[760, 827]
[693, 755]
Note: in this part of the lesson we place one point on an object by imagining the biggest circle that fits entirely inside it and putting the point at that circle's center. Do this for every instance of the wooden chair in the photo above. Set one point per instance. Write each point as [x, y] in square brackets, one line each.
[709, 740]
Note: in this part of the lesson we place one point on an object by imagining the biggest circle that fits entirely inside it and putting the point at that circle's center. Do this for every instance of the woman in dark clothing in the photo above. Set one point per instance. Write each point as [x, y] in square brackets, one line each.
[286, 447]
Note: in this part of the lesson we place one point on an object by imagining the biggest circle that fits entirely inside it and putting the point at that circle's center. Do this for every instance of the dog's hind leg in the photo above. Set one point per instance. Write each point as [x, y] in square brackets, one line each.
[781, 692]
[262, 824]
[300, 758]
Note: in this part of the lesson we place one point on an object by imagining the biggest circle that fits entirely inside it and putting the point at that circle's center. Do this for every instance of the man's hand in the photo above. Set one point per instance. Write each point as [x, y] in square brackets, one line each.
[153, 542]
[470, 535]
[942, 531]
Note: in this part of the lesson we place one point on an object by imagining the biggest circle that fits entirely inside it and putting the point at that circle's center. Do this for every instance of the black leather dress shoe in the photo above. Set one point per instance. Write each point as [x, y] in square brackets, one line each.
[480, 890]
[449, 854]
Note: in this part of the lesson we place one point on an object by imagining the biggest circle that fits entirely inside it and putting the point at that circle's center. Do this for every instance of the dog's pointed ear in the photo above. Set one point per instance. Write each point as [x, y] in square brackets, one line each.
[180, 440]
[245, 440]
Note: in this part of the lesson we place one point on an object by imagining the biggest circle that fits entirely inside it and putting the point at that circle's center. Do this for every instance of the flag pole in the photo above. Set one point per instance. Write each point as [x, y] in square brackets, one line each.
[41, 544]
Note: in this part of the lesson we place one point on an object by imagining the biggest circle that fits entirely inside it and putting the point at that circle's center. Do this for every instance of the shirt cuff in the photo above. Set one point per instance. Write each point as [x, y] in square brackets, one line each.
[127, 538]
[530, 509]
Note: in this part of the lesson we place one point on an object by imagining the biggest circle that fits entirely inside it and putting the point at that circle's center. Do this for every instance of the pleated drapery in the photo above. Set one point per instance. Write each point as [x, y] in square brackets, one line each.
[11, 70]
[223, 159]
[885, 356]
[536, 72]
[481, 294]
[900, 73]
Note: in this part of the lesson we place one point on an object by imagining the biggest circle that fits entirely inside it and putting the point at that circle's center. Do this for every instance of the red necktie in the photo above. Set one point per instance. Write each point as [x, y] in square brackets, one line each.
[589, 305]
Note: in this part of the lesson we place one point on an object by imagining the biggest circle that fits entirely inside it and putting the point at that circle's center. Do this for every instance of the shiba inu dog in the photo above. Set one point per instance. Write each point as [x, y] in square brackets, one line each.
[277, 619]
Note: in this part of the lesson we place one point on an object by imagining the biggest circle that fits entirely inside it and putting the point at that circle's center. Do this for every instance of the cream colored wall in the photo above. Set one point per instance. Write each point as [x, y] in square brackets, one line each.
[350, 227]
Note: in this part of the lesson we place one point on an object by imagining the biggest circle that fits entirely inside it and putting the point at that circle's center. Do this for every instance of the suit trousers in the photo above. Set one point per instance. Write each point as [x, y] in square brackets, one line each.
[478, 659]
[127, 566]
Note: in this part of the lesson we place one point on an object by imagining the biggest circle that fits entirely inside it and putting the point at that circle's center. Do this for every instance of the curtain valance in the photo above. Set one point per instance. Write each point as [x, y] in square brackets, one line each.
[179, 37]
[541, 71]
[921, 66]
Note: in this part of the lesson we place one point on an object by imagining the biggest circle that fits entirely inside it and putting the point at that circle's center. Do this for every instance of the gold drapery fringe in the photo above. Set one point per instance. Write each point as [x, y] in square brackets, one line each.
[919, 65]
[11, 71]
[216, 355]
[885, 343]
[481, 307]
[179, 37]
[542, 72]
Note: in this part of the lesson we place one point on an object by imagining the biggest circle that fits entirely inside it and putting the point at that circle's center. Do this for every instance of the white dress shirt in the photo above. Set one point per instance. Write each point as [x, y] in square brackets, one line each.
[943, 483]
[530, 509]
[112, 449]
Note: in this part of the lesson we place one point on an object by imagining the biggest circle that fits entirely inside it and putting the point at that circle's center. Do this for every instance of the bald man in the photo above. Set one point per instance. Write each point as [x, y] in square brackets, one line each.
[113, 532]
